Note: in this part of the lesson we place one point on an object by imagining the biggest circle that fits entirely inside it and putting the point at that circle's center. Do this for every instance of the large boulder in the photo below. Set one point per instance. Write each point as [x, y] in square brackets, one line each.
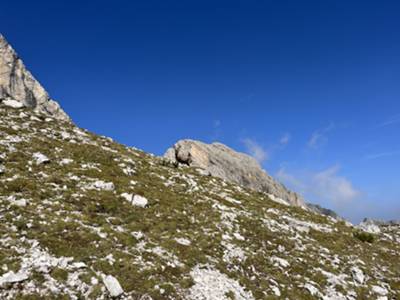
[221, 161]
[18, 84]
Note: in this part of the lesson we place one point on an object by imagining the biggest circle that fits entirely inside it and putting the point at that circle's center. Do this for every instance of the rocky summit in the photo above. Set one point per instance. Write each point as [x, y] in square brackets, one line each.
[221, 161]
[84, 217]
[19, 88]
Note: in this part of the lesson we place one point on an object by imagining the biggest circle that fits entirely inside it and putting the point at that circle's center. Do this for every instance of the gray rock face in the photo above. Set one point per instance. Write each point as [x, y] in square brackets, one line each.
[323, 211]
[221, 161]
[17, 83]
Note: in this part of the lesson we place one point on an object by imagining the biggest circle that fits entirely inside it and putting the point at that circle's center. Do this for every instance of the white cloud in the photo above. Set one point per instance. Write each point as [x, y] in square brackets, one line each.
[382, 154]
[325, 186]
[285, 139]
[333, 187]
[319, 137]
[390, 121]
[255, 150]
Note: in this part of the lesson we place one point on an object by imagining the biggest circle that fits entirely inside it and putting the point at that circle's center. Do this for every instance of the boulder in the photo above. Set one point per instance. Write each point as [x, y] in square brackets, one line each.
[113, 286]
[221, 161]
[40, 158]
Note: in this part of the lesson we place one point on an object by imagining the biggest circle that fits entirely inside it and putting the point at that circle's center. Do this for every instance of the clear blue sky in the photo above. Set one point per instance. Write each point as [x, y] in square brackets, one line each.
[310, 88]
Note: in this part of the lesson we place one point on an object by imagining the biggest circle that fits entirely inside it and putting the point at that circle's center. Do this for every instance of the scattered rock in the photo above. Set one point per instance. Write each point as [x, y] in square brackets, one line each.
[183, 241]
[113, 286]
[2, 169]
[135, 199]
[102, 185]
[14, 201]
[369, 226]
[312, 289]
[358, 275]
[66, 161]
[379, 290]
[210, 284]
[11, 277]
[40, 158]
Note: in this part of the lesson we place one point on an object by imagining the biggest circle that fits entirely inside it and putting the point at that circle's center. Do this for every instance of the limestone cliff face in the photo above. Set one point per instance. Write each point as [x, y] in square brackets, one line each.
[223, 162]
[17, 83]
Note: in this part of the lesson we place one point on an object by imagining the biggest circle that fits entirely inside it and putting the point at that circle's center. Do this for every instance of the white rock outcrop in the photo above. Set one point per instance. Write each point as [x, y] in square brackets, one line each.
[221, 161]
[18, 88]
[369, 226]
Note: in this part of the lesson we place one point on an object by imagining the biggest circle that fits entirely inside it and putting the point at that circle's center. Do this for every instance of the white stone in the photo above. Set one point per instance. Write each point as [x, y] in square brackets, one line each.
[2, 169]
[312, 289]
[14, 201]
[66, 161]
[379, 290]
[79, 265]
[13, 103]
[139, 201]
[276, 291]
[137, 234]
[280, 262]
[102, 185]
[40, 158]
[183, 241]
[238, 236]
[11, 277]
[357, 275]
[113, 286]
[128, 197]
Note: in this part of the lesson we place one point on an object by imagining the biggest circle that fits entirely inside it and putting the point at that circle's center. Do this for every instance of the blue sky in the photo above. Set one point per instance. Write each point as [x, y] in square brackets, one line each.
[310, 88]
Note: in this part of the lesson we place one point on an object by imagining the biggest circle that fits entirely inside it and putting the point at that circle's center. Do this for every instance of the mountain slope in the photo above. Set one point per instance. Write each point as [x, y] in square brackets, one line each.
[74, 225]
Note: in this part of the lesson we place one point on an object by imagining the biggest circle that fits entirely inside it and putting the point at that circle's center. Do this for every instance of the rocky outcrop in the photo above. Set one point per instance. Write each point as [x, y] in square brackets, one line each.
[18, 84]
[323, 211]
[221, 161]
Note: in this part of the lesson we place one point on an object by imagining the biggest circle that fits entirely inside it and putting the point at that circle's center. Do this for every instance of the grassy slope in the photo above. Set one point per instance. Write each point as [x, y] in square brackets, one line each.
[69, 220]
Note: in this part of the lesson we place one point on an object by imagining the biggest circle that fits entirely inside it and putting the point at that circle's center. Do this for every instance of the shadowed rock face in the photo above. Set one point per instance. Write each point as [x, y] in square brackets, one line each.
[221, 161]
[17, 83]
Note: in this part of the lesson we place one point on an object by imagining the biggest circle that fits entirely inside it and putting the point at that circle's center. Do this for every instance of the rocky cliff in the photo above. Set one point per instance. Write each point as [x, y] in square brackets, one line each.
[19, 88]
[221, 161]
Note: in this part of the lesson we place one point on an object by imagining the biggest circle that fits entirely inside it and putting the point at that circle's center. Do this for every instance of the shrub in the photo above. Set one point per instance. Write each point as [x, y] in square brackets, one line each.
[364, 236]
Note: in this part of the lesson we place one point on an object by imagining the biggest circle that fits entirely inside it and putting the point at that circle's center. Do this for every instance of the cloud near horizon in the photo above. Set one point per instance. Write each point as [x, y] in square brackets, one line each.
[323, 186]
